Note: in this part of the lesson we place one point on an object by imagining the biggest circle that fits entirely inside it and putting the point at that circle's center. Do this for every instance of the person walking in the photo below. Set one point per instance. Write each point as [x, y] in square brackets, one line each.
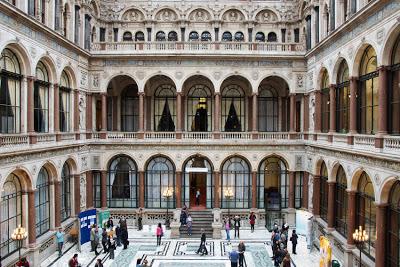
[159, 234]
[241, 249]
[140, 219]
[189, 222]
[202, 248]
[111, 247]
[99, 263]
[252, 219]
[183, 216]
[234, 258]
[60, 241]
[198, 197]
[294, 238]
[104, 240]
[124, 235]
[96, 240]
[92, 233]
[236, 223]
[23, 262]
[227, 229]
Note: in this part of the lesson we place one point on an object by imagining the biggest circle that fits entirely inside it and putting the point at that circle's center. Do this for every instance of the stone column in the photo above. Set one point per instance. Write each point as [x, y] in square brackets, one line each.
[141, 188]
[331, 204]
[103, 189]
[76, 114]
[292, 182]
[351, 216]
[353, 110]
[383, 106]
[31, 218]
[89, 189]
[292, 113]
[103, 116]
[317, 116]
[89, 119]
[178, 188]
[30, 110]
[56, 112]
[316, 196]
[254, 122]
[77, 194]
[114, 122]
[306, 115]
[254, 189]
[217, 116]
[217, 188]
[179, 115]
[332, 111]
[305, 190]
[141, 115]
[380, 235]
[57, 204]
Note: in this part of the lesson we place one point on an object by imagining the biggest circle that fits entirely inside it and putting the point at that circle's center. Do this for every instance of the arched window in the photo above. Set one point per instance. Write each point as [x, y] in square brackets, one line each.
[325, 111]
[11, 214]
[323, 192]
[199, 109]
[236, 180]
[260, 37]
[394, 91]
[41, 99]
[198, 174]
[271, 37]
[122, 183]
[193, 36]
[65, 103]
[343, 99]
[393, 223]
[273, 184]
[366, 212]
[227, 37]
[165, 108]
[42, 202]
[139, 37]
[160, 36]
[367, 102]
[267, 110]
[10, 93]
[160, 178]
[127, 36]
[65, 192]
[130, 109]
[239, 37]
[233, 109]
[172, 36]
[206, 36]
[341, 202]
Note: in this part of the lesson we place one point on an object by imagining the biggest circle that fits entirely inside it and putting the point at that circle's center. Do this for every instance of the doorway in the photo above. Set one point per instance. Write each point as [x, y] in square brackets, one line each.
[198, 182]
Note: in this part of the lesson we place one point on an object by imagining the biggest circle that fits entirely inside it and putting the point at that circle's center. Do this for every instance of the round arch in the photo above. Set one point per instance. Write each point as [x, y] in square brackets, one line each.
[192, 10]
[160, 75]
[126, 11]
[335, 70]
[358, 56]
[72, 164]
[277, 75]
[22, 55]
[356, 177]
[51, 169]
[159, 155]
[71, 76]
[275, 155]
[198, 75]
[118, 155]
[50, 66]
[243, 80]
[386, 51]
[323, 71]
[115, 75]
[235, 156]
[385, 189]
[195, 156]
[25, 176]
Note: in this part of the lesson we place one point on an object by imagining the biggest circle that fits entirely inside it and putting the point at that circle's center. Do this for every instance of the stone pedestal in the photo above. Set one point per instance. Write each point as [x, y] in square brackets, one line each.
[175, 229]
[217, 227]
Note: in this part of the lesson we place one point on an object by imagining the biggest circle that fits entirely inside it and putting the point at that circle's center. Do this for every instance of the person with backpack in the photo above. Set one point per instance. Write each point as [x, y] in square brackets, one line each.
[159, 234]
[252, 219]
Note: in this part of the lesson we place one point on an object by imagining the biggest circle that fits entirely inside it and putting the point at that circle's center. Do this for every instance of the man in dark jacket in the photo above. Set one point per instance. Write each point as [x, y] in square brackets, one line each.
[124, 237]
[236, 222]
[294, 241]
[202, 248]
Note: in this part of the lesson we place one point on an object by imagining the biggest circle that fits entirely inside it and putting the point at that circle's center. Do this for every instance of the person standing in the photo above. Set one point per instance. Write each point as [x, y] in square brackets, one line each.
[111, 247]
[74, 261]
[227, 229]
[189, 222]
[294, 238]
[241, 249]
[110, 223]
[96, 240]
[60, 241]
[98, 263]
[118, 235]
[286, 261]
[236, 223]
[104, 240]
[202, 248]
[124, 235]
[183, 216]
[140, 219]
[92, 237]
[159, 234]
[234, 258]
[23, 262]
[252, 219]
[198, 197]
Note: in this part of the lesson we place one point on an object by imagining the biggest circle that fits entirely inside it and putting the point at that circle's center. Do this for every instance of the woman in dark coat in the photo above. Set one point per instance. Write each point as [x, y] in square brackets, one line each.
[124, 237]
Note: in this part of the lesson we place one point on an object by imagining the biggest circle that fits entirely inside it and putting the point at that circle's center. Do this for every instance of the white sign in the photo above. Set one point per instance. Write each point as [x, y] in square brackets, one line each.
[196, 169]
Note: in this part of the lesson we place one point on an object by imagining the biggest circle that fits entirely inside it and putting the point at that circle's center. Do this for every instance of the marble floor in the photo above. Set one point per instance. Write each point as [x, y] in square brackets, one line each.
[181, 252]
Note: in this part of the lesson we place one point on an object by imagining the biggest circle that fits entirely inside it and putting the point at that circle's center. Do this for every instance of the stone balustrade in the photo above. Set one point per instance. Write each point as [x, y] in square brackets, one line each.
[364, 141]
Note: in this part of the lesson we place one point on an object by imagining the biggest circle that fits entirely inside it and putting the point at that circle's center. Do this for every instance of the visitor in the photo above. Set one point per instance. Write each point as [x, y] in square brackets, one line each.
[183, 216]
[92, 233]
[236, 223]
[140, 219]
[202, 248]
[294, 238]
[23, 262]
[104, 240]
[286, 261]
[124, 235]
[111, 247]
[98, 263]
[118, 235]
[60, 241]
[241, 249]
[159, 233]
[74, 261]
[234, 258]
[198, 197]
[284, 239]
[96, 240]
[110, 224]
[138, 263]
[189, 222]
[145, 263]
[227, 229]
[252, 219]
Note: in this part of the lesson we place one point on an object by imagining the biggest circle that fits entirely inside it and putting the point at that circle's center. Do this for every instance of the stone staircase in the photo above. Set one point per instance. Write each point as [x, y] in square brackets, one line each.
[201, 219]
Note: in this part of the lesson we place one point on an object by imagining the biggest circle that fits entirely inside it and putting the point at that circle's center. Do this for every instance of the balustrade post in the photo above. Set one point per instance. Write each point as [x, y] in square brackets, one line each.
[89, 119]
[56, 98]
[383, 106]
[103, 133]
[30, 110]
[332, 112]
[353, 110]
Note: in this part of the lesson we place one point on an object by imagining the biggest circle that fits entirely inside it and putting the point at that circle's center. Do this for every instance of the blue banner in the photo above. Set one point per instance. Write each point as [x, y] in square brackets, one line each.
[87, 218]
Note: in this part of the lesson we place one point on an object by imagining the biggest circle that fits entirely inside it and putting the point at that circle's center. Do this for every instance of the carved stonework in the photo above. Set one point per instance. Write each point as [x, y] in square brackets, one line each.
[312, 112]
[199, 15]
[166, 15]
[133, 15]
[140, 74]
[310, 191]
[83, 191]
[95, 81]
[300, 82]
[380, 36]
[83, 78]
[33, 52]
[266, 16]
[233, 16]
[82, 111]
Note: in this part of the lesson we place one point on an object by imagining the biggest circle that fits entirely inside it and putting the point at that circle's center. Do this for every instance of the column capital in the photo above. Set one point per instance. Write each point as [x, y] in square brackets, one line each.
[180, 93]
[382, 205]
[332, 86]
[383, 68]
[141, 94]
[88, 93]
[217, 93]
[103, 93]
[331, 182]
[353, 78]
[254, 94]
[76, 90]
[351, 192]
[292, 94]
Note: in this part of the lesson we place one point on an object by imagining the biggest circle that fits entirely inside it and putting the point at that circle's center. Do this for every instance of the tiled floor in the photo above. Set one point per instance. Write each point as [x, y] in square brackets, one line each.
[177, 253]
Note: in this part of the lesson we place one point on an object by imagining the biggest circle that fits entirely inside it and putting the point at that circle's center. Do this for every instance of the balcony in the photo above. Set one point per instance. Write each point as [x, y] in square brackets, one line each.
[189, 48]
